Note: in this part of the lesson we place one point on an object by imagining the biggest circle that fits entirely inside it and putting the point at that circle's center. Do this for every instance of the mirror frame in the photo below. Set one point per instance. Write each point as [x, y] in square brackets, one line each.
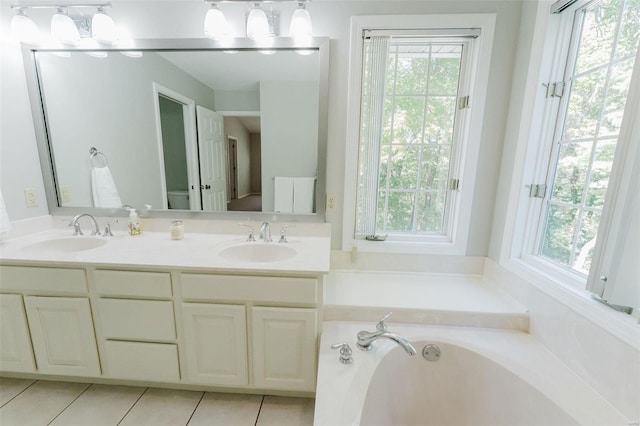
[47, 165]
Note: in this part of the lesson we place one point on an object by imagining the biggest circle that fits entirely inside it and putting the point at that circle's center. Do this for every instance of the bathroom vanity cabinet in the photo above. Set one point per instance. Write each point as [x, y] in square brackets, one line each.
[188, 327]
[60, 329]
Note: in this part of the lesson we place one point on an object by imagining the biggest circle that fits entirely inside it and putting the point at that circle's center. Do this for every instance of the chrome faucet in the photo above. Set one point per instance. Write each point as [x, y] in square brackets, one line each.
[265, 232]
[76, 225]
[366, 338]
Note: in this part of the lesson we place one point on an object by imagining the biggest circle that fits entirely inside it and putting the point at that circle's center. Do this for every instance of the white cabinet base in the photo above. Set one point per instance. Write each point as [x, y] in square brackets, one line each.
[62, 335]
[15, 342]
[216, 343]
[284, 348]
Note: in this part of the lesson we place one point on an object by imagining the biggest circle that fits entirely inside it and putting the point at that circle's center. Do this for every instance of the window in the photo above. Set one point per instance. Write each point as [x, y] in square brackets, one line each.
[415, 151]
[408, 134]
[597, 75]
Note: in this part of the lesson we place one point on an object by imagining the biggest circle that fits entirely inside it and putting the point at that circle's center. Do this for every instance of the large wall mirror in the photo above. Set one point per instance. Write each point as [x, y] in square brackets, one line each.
[182, 125]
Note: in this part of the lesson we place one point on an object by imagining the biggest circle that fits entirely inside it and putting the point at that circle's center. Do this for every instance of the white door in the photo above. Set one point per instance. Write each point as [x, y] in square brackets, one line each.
[216, 343]
[213, 172]
[62, 334]
[15, 344]
[284, 348]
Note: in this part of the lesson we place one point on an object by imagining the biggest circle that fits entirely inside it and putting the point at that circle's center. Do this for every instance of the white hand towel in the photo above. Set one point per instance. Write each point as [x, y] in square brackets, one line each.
[5, 223]
[105, 193]
[303, 191]
[283, 195]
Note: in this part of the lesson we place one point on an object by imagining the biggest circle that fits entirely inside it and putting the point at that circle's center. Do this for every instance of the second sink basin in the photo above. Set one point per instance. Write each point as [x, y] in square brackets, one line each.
[258, 252]
[67, 244]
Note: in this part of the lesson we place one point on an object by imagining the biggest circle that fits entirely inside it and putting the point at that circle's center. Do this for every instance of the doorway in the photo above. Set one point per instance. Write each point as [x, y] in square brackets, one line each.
[177, 149]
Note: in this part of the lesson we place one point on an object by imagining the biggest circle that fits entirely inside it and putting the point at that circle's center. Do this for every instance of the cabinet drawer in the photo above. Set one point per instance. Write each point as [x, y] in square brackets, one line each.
[133, 284]
[249, 288]
[157, 362]
[36, 279]
[137, 319]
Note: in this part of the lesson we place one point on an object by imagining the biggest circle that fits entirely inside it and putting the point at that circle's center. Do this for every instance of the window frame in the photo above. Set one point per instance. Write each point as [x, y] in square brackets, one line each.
[511, 226]
[563, 30]
[455, 241]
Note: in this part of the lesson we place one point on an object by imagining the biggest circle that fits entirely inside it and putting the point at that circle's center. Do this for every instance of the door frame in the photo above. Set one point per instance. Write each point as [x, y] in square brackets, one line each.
[190, 140]
[232, 171]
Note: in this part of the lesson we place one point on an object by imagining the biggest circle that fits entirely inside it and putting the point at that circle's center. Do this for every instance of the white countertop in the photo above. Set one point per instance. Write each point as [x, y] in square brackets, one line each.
[198, 250]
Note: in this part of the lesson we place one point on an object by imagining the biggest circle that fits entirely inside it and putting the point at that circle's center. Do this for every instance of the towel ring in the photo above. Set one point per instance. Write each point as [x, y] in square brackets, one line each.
[96, 158]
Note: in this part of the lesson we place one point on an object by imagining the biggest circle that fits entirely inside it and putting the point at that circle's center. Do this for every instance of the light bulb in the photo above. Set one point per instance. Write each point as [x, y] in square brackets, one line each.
[64, 29]
[103, 28]
[24, 29]
[257, 25]
[215, 24]
[300, 27]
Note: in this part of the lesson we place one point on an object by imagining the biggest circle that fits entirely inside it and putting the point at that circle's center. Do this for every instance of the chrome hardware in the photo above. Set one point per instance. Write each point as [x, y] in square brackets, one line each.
[381, 325]
[250, 238]
[366, 338]
[345, 352]
[283, 233]
[265, 232]
[107, 231]
[431, 352]
[76, 225]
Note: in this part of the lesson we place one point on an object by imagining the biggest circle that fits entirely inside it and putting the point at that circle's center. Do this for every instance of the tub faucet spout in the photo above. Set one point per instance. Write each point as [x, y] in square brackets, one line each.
[366, 338]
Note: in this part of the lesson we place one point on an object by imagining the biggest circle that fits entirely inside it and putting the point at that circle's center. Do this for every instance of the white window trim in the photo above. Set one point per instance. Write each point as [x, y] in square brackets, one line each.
[456, 243]
[512, 256]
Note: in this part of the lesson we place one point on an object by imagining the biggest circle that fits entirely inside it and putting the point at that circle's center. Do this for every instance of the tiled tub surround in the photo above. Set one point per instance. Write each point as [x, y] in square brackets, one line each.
[150, 310]
[483, 377]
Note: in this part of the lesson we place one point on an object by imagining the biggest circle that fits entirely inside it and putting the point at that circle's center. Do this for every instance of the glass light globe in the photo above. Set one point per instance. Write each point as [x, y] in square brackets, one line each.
[103, 28]
[24, 29]
[215, 24]
[257, 25]
[300, 27]
[64, 29]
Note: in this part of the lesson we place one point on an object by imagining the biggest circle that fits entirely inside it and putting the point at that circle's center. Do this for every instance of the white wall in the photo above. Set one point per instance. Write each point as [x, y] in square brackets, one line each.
[287, 110]
[237, 100]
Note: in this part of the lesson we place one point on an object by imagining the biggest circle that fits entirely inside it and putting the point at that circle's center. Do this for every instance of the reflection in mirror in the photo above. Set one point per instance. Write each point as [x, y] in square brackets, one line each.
[189, 130]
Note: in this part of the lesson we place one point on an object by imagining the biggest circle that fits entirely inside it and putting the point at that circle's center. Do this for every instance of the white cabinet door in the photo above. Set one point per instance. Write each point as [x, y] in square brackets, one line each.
[62, 335]
[216, 343]
[284, 348]
[15, 343]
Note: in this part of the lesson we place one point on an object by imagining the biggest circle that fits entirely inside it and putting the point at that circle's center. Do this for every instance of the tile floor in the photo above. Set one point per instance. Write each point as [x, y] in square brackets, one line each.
[39, 403]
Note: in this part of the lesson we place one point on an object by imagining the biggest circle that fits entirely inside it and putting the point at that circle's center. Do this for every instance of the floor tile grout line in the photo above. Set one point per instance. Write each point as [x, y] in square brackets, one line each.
[18, 394]
[259, 409]
[195, 408]
[133, 405]
[69, 404]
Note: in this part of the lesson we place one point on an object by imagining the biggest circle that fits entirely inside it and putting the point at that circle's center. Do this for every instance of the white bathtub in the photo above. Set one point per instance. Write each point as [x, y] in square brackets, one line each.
[483, 377]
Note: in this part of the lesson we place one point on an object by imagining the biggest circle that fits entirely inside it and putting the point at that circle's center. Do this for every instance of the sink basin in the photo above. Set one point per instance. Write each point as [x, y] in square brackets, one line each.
[258, 252]
[67, 244]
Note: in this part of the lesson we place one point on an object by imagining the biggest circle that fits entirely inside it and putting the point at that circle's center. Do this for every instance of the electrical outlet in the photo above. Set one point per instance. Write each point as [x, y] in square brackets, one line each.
[65, 193]
[31, 197]
[331, 203]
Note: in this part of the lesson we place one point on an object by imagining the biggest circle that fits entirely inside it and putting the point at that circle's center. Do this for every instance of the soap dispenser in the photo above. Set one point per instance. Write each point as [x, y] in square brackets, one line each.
[134, 222]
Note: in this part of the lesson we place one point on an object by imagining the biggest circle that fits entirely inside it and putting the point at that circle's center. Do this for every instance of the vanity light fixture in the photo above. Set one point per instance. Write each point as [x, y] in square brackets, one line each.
[258, 27]
[23, 28]
[262, 21]
[300, 27]
[215, 24]
[103, 28]
[68, 25]
[63, 28]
